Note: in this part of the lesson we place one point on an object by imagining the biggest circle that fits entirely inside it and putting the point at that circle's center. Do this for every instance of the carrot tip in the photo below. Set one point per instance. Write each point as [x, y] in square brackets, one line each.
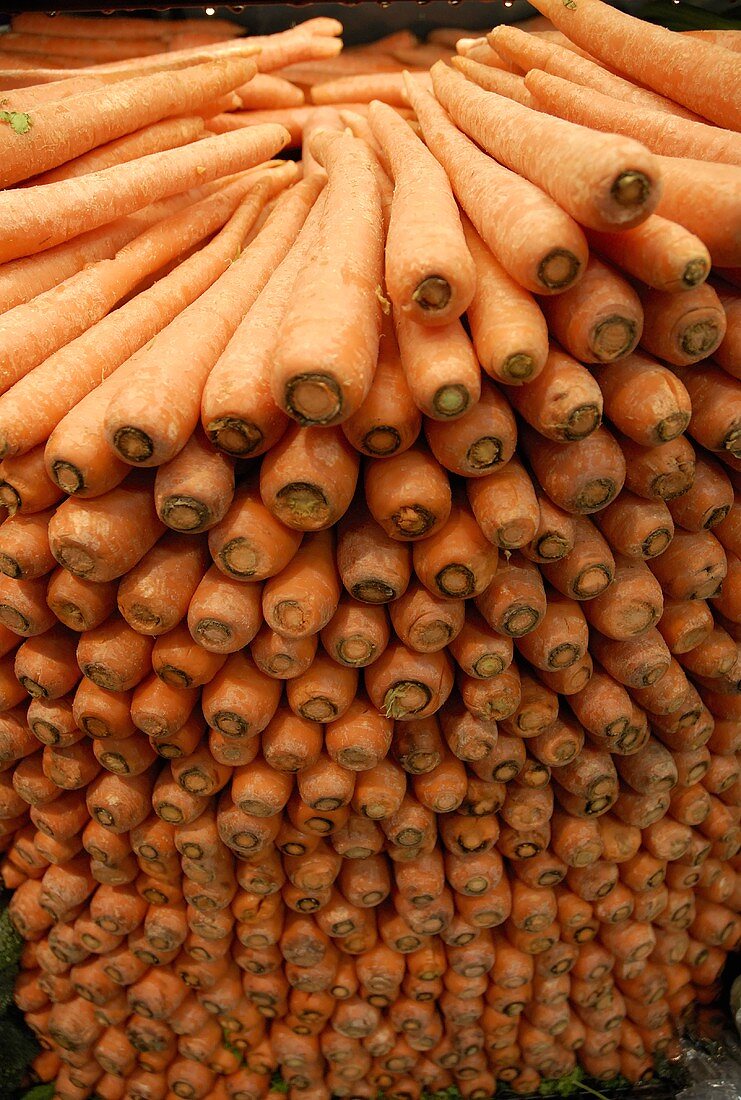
[596, 494]
[235, 436]
[432, 294]
[451, 400]
[68, 477]
[384, 439]
[518, 367]
[313, 399]
[484, 453]
[9, 498]
[413, 521]
[185, 514]
[558, 269]
[238, 558]
[133, 444]
[213, 632]
[631, 189]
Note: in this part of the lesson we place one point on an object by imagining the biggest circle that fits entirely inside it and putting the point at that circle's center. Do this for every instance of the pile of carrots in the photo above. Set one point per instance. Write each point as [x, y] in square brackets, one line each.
[370, 569]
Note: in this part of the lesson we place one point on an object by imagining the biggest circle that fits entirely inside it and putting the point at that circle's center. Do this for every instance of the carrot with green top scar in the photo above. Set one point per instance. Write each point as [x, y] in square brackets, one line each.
[250, 544]
[135, 430]
[579, 477]
[661, 133]
[563, 402]
[555, 56]
[600, 319]
[484, 437]
[308, 479]
[545, 253]
[60, 131]
[429, 271]
[514, 352]
[440, 368]
[404, 684]
[324, 367]
[618, 39]
[238, 411]
[73, 206]
[388, 421]
[58, 386]
[611, 182]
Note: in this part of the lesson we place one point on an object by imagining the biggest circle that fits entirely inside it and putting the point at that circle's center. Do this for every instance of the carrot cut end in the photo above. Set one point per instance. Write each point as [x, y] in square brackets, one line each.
[132, 444]
[313, 399]
[559, 269]
[382, 440]
[484, 453]
[185, 514]
[451, 401]
[631, 189]
[235, 436]
[302, 503]
[518, 367]
[406, 697]
[373, 591]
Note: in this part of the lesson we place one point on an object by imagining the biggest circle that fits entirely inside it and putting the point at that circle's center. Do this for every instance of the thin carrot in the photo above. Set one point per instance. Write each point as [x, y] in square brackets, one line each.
[551, 255]
[337, 388]
[440, 368]
[614, 38]
[73, 206]
[512, 354]
[493, 79]
[660, 253]
[670, 136]
[621, 181]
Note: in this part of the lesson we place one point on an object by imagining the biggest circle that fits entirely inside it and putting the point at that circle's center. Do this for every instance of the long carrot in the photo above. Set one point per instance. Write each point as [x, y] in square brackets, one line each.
[621, 181]
[669, 136]
[548, 257]
[660, 253]
[76, 205]
[681, 175]
[315, 381]
[133, 425]
[622, 42]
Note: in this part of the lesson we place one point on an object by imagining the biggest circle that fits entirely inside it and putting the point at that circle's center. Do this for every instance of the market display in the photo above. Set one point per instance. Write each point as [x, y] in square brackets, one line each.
[370, 575]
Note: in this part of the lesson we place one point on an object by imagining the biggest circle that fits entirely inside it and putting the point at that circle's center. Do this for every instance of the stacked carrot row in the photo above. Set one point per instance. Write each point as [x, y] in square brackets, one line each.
[383, 728]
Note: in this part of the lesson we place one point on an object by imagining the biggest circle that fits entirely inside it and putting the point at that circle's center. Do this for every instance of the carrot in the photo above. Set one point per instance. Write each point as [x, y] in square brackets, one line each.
[514, 602]
[308, 478]
[684, 624]
[356, 634]
[193, 492]
[249, 543]
[537, 709]
[373, 567]
[78, 603]
[701, 562]
[24, 546]
[504, 505]
[290, 743]
[408, 494]
[631, 605]
[331, 394]
[156, 593]
[53, 141]
[401, 687]
[598, 320]
[660, 253]
[559, 639]
[46, 666]
[120, 803]
[160, 709]
[302, 598]
[715, 404]
[494, 699]
[239, 700]
[680, 176]
[224, 615]
[567, 413]
[418, 745]
[670, 136]
[726, 353]
[481, 439]
[177, 660]
[280, 657]
[665, 407]
[558, 743]
[440, 368]
[23, 607]
[588, 570]
[493, 79]
[24, 486]
[478, 651]
[580, 477]
[558, 55]
[548, 257]
[324, 692]
[388, 421]
[636, 526]
[683, 328]
[620, 180]
[456, 560]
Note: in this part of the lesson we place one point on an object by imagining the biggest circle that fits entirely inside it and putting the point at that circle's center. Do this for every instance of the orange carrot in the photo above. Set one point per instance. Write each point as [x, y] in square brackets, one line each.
[683, 328]
[407, 494]
[692, 567]
[249, 543]
[46, 666]
[579, 477]
[280, 657]
[479, 651]
[302, 598]
[547, 257]
[177, 660]
[665, 407]
[356, 634]
[24, 485]
[308, 478]
[588, 570]
[484, 437]
[630, 606]
[224, 615]
[373, 566]
[680, 176]
[155, 594]
[627, 189]
[23, 607]
[78, 603]
[401, 683]
[504, 505]
[194, 491]
[714, 399]
[439, 366]
[636, 526]
[659, 252]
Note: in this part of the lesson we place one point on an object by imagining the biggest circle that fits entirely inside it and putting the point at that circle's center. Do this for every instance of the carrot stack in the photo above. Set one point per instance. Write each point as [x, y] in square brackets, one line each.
[370, 555]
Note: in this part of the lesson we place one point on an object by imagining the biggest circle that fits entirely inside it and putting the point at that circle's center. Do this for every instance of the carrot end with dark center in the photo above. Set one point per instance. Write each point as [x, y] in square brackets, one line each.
[313, 399]
[133, 444]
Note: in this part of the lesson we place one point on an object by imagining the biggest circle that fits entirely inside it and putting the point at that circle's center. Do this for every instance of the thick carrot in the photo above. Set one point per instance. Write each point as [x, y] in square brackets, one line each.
[635, 526]
[24, 485]
[456, 561]
[425, 621]
[504, 505]
[440, 368]
[328, 383]
[670, 136]
[78, 368]
[73, 206]
[715, 404]
[563, 402]
[428, 281]
[560, 638]
[374, 567]
[546, 256]
[46, 666]
[356, 634]
[345, 746]
[23, 607]
[308, 479]
[600, 319]
[388, 419]
[156, 592]
[240, 700]
[281, 657]
[224, 615]
[78, 603]
[324, 692]
[514, 602]
[692, 567]
[482, 438]
[404, 684]
[193, 492]
[559, 57]
[660, 253]
[590, 567]
[249, 543]
[619, 180]
[683, 328]
[681, 176]
[708, 501]
[630, 606]
[554, 538]
[24, 546]
[408, 494]
[516, 353]
[302, 598]
[580, 477]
